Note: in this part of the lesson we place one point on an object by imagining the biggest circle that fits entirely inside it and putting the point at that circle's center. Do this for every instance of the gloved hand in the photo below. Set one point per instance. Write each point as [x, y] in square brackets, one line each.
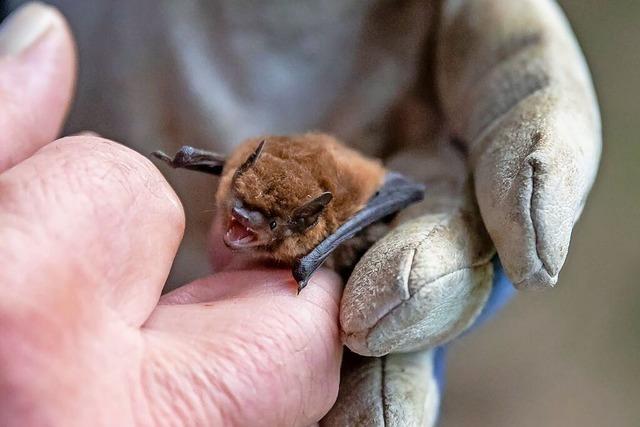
[508, 159]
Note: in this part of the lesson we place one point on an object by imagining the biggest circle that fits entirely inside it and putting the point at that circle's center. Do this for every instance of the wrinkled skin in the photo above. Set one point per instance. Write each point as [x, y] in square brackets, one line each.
[85, 337]
[509, 87]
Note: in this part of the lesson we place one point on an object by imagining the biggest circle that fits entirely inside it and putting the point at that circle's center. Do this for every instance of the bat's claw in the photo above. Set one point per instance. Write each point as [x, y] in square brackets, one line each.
[301, 285]
[194, 159]
[300, 274]
[184, 157]
[162, 156]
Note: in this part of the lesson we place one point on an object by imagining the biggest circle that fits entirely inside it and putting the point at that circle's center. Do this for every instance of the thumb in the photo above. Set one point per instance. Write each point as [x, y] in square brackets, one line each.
[37, 75]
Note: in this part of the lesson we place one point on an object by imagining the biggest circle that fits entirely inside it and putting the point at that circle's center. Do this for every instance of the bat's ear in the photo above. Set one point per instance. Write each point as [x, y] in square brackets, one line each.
[307, 215]
[251, 160]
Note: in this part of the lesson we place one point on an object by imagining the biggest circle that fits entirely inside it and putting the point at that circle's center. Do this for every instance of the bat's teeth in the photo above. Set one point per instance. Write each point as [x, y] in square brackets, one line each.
[251, 235]
[240, 234]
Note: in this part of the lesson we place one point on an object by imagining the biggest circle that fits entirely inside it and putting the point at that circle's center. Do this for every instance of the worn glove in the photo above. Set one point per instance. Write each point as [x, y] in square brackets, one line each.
[515, 97]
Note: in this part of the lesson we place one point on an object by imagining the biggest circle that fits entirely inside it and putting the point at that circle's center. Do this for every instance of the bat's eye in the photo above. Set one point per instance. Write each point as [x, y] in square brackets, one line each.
[273, 224]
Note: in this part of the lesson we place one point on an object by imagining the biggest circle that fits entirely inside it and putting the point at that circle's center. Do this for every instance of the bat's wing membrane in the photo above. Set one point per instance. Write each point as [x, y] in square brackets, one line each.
[194, 159]
[396, 193]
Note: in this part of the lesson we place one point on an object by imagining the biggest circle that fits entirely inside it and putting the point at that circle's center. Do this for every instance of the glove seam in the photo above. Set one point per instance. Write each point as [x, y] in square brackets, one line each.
[383, 399]
[534, 165]
[469, 267]
[406, 277]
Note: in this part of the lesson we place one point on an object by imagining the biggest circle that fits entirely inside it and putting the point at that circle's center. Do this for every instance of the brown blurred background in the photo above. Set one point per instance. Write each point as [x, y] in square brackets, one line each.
[571, 356]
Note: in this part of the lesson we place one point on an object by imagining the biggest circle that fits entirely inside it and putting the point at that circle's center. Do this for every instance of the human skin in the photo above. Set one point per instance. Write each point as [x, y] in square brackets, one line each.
[89, 230]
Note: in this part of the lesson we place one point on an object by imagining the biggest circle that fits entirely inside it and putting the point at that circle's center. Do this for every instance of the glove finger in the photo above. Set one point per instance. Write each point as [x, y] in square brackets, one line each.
[421, 285]
[516, 90]
[393, 390]
[398, 389]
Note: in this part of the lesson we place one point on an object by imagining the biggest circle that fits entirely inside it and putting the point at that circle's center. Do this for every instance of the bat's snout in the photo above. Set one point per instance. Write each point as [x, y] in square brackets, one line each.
[250, 219]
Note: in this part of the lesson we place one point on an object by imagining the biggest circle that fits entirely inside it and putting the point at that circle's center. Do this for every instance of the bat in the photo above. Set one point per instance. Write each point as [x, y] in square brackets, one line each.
[296, 199]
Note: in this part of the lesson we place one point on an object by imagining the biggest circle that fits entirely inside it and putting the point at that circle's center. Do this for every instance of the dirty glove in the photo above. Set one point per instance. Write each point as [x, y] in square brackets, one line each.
[519, 118]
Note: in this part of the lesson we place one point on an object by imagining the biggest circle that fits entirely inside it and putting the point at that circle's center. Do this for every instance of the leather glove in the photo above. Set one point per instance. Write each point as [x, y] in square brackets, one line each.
[508, 165]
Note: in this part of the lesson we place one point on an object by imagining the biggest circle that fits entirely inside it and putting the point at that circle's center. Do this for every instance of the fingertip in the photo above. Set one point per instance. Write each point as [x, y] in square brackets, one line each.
[324, 286]
[29, 25]
[87, 133]
[37, 79]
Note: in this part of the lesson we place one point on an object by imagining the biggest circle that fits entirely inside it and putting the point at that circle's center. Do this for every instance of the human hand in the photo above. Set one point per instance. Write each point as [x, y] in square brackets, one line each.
[89, 230]
[515, 96]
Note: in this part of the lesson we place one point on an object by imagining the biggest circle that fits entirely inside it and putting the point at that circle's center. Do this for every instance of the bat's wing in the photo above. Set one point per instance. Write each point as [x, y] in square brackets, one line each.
[194, 159]
[396, 193]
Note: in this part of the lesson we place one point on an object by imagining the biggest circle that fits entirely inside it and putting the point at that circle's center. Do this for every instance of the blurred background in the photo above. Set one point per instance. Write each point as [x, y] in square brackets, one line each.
[571, 356]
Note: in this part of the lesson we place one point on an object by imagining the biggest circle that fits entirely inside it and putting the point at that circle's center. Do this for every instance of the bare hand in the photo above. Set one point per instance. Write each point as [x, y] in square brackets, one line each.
[89, 230]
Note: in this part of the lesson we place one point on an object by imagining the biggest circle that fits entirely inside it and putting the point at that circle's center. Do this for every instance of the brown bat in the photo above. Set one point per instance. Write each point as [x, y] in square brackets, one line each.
[294, 199]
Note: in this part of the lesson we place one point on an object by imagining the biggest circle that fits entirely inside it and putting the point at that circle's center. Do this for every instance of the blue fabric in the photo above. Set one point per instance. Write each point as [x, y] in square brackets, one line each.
[501, 293]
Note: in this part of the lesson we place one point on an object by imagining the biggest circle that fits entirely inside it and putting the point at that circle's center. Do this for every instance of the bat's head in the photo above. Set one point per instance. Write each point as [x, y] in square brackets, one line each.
[271, 206]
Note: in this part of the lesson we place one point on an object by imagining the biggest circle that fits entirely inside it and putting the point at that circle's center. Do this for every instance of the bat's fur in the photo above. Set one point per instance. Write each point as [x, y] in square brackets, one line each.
[293, 170]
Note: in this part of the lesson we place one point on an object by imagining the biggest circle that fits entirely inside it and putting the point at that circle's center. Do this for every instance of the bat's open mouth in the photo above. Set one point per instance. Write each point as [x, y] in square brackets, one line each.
[241, 236]
[246, 228]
